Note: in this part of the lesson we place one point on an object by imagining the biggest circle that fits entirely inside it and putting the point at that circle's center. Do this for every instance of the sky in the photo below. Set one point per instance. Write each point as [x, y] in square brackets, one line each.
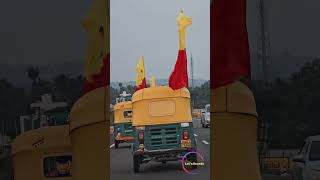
[49, 32]
[149, 28]
[42, 32]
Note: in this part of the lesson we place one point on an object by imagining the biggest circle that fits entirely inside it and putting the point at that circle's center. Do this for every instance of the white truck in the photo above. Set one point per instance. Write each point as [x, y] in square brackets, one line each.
[307, 162]
[205, 116]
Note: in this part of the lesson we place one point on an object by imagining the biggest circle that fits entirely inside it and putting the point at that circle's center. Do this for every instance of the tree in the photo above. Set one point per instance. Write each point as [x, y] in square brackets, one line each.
[33, 74]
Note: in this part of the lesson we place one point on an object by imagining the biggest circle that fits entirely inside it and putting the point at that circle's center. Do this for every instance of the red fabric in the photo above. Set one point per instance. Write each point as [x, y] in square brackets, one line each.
[142, 85]
[230, 57]
[99, 80]
[179, 76]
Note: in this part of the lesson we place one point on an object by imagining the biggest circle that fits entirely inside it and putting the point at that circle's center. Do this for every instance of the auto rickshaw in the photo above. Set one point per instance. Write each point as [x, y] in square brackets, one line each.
[43, 153]
[163, 128]
[122, 123]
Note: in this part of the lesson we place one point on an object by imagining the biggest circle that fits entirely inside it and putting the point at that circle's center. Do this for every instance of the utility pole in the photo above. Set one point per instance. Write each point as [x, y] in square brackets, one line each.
[191, 60]
[263, 58]
[263, 42]
[192, 85]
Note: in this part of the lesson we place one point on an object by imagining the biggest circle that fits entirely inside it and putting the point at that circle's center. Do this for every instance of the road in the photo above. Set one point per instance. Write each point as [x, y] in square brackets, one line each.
[121, 162]
[272, 177]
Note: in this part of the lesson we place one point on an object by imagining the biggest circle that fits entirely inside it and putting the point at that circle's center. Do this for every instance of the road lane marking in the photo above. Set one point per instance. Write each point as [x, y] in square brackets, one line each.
[112, 146]
[205, 142]
[195, 135]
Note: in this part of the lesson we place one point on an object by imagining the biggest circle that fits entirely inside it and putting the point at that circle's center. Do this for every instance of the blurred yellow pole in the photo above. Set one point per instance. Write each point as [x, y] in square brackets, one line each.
[234, 134]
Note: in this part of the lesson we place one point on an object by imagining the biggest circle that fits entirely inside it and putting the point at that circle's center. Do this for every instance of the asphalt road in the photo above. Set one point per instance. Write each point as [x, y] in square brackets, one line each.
[121, 165]
[272, 177]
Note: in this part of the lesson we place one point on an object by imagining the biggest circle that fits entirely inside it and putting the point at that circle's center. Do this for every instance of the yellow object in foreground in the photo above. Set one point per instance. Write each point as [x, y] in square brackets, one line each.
[32, 148]
[97, 26]
[161, 105]
[89, 128]
[234, 133]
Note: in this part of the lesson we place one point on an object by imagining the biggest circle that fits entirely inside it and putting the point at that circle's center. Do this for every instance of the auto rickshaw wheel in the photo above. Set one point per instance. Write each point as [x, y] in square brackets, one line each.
[136, 163]
[116, 144]
[193, 158]
[202, 124]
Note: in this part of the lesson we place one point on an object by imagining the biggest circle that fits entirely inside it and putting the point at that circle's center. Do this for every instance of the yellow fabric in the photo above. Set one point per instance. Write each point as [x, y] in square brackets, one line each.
[234, 133]
[183, 23]
[140, 71]
[147, 103]
[98, 45]
[153, 82]
[119, 109]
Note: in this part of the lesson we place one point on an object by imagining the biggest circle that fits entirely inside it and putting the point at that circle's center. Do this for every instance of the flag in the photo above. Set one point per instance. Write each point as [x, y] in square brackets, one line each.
[140, 80]
[179, 76]
[98, 80]
[229, 46]
[153, 82]
[97, 65]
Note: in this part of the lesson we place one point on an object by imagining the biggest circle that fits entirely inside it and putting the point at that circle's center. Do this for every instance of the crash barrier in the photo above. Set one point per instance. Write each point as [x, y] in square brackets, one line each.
[276, 165]
[277, 162]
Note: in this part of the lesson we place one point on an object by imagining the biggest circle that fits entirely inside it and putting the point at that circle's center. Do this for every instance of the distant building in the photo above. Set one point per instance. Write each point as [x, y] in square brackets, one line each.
[41, 111]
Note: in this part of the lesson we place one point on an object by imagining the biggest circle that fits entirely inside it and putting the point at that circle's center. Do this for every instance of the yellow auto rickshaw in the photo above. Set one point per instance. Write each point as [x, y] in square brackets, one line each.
[163, 128]
[122, 123]
[43, 153]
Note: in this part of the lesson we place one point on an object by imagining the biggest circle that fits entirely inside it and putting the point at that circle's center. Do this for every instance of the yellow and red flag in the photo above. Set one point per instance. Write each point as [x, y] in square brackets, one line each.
[140, 80]
[179, 77]
[97, 66]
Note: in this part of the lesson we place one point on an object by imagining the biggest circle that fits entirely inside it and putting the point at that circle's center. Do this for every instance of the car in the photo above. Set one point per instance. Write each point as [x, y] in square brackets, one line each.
[307, 162]
[205, 117]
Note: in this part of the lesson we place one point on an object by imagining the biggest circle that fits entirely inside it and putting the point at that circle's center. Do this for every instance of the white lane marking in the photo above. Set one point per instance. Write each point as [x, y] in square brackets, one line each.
[195, 135]
[205, 142]
[112, 146]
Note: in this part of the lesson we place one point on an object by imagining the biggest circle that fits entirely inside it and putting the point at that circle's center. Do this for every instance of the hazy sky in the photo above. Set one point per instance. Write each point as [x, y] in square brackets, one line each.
[38, 31]
[48, 32]
[149, 28]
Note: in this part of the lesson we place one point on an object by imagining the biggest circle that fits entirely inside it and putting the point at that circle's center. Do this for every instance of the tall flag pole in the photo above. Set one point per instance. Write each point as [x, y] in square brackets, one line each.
[179, 77]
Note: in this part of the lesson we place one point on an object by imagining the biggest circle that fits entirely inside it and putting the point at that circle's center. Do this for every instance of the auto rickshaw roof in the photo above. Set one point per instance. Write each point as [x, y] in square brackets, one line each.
[123, 105]
[160, 92]
[46, 137]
